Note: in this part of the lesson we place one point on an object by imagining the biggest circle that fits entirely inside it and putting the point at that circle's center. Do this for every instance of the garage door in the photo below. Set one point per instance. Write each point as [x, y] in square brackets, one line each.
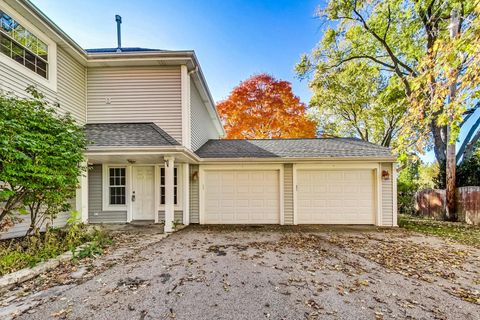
[242, 197]
[335, 197]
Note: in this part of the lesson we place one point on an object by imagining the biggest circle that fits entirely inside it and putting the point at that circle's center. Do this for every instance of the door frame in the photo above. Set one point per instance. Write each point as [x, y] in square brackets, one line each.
[240, 167]
[155, 208]
[377, 183]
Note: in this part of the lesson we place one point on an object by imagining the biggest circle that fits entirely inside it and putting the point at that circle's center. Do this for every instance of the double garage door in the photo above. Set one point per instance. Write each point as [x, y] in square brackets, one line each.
[322, 197]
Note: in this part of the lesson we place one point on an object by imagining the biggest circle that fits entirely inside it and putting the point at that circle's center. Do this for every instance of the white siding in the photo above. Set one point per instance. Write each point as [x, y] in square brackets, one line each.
[203, 127]
[288, 193]
[387, 197]
[137, 94]
[71, 86]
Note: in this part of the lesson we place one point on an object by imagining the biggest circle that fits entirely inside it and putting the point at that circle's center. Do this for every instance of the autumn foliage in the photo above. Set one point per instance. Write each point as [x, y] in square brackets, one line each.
[262, 107]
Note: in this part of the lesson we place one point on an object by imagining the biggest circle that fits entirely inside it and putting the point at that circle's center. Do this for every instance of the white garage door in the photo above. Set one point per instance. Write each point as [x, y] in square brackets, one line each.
[242, 197]
[335, 197]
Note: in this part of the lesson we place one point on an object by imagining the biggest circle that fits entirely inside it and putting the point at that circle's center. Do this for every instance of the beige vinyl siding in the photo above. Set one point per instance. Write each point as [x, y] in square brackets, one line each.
[194, 196]
[178, 216]
[95, 213]
[137, 94]
[71, 86]
[288, 193]
[13, 81]
[203, 127]
[387, 197]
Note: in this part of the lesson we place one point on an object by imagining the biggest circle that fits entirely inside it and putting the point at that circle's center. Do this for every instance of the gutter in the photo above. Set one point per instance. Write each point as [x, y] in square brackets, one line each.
[194, 157]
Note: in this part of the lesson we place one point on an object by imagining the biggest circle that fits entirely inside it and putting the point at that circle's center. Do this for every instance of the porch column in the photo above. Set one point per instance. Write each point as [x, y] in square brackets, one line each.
[81, 196]
[169, 196]
[186, 194]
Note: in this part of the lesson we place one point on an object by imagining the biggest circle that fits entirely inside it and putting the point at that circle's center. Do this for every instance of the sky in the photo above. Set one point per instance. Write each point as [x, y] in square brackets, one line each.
[233, 39]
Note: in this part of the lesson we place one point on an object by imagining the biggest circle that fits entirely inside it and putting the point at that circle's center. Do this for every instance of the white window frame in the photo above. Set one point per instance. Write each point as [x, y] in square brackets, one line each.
[51, 82]
[106, 206]
[179, 205]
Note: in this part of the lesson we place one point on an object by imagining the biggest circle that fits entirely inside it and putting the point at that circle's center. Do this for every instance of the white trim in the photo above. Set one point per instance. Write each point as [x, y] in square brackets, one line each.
[294, 178]
[269, 167]
[169, 194]
[156, 172]
[51, 82]
[374, 166]
[394, 195]
[106, 206]
[186, 194]
[378, 188]
[81, 198]
[185, 94]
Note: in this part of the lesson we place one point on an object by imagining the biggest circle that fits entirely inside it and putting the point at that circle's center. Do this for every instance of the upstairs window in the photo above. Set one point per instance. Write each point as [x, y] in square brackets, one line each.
[22, 46]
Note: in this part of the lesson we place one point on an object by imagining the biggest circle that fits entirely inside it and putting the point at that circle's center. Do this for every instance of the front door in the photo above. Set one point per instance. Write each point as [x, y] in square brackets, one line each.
[143, 200]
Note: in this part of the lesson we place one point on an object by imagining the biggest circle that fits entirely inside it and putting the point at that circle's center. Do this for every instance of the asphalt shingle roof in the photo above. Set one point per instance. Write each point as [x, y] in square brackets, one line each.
[127, 135]
[292, 148]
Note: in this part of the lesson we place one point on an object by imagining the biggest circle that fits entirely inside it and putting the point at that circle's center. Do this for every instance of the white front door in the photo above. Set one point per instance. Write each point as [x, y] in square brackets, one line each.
[143, 199]
[242, 197]
[335, 197]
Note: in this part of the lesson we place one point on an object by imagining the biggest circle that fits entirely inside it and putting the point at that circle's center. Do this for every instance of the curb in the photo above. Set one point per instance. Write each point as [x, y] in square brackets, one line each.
[25, 274]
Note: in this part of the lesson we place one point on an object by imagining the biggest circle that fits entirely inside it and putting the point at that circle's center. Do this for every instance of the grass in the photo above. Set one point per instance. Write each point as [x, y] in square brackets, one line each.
[455, 231]
[26, 252]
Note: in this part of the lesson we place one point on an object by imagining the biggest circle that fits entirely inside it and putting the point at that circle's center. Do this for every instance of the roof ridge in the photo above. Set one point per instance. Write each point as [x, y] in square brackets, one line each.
[165, 135]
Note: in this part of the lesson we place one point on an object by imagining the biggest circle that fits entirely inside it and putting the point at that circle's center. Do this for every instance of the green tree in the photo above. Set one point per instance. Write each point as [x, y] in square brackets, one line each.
[41, 152]
[357, 100]
[403, 39]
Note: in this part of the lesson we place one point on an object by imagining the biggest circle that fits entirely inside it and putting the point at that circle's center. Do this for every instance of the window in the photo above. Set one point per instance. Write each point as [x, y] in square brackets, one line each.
[22, 46]
[162, 186]
[117, 186]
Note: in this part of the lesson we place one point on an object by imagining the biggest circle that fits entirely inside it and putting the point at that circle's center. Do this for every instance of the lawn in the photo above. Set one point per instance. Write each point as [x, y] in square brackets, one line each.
[454, 231]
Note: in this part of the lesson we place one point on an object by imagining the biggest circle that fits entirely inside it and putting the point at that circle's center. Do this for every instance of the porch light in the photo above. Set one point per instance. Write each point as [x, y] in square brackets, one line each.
[131, 161]
[195, 176]
[385, 175]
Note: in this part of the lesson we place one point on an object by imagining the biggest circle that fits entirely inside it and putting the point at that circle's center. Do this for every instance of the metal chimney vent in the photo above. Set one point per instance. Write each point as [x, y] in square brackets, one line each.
[118, 19]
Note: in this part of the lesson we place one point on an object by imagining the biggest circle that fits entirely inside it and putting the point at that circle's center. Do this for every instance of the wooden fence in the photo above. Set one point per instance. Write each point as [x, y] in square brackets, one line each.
[431, 203]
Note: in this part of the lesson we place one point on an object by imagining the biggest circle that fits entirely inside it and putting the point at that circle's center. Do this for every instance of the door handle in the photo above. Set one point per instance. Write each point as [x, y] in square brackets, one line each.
[133, 196]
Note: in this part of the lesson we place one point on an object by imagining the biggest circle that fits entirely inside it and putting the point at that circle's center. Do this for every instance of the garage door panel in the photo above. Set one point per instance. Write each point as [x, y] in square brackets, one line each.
[335, 197]
[245, 196]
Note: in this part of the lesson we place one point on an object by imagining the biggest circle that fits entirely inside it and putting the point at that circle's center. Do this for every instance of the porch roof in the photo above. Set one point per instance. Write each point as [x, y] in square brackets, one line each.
[127, 135]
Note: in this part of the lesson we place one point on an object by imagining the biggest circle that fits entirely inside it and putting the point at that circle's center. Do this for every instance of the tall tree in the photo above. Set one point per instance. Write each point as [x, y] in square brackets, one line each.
[396, 36]
[357, 100]
[264, 107]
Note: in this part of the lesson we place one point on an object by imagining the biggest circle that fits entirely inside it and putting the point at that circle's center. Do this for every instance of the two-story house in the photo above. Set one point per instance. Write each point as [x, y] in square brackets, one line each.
[156, 152]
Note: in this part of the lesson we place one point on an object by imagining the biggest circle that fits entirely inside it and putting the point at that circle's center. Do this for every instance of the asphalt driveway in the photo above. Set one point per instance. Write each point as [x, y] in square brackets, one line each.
[279, 273]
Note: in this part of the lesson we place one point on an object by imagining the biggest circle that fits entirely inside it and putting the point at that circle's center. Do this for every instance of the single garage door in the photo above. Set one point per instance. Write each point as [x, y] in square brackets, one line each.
[335, 197]
[242, 197]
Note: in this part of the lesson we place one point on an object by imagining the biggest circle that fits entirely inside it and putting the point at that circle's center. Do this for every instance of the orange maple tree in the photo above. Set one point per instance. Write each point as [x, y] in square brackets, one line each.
[264, 107]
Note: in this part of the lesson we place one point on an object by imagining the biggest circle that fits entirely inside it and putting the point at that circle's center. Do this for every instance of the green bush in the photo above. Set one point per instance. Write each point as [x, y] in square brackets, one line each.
[30, 250]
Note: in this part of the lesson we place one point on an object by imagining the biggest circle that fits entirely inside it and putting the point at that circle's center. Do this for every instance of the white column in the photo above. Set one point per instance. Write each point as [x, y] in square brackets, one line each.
[186, 194]
[81, 197]
[169, 205]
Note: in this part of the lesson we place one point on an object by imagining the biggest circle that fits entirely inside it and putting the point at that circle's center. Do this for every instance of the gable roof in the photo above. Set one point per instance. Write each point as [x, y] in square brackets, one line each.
[127, 135]
[293, 148]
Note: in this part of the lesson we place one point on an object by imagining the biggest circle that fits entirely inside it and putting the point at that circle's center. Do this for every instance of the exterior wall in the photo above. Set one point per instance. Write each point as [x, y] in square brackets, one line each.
[178, 216]
[388, 197]
[136, 94]
[288, 193]
[201, 122]
[194, 196]
[95, 213]
[72, 86]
